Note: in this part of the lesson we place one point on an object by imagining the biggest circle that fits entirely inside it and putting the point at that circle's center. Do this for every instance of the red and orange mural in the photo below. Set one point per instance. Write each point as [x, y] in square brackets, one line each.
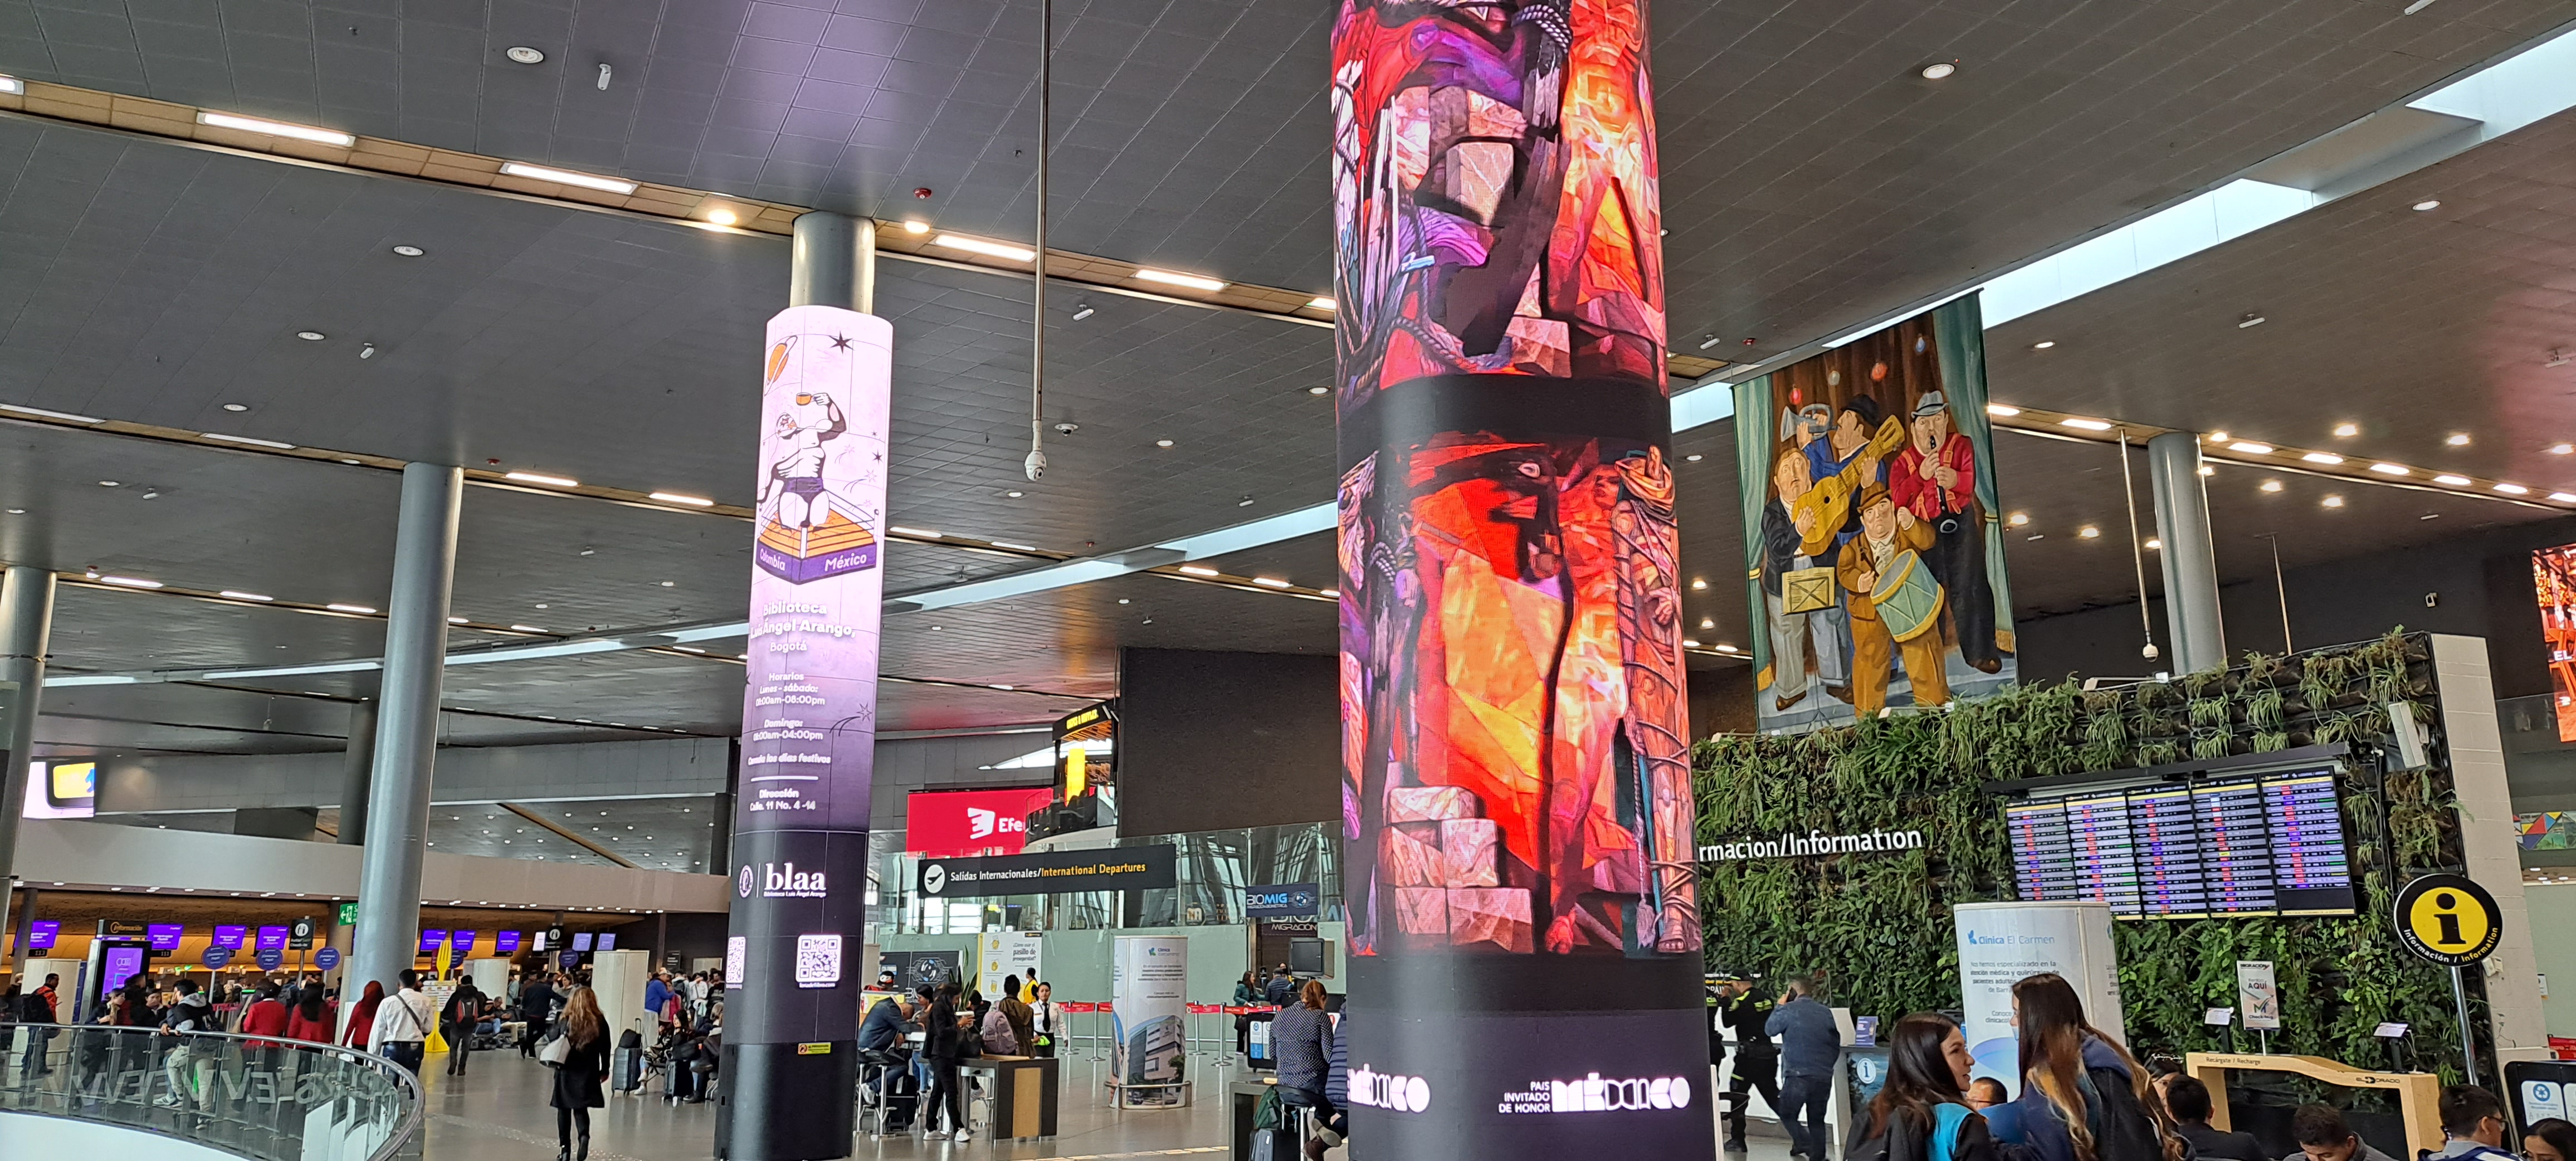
[2553, 573]
[1515, 759]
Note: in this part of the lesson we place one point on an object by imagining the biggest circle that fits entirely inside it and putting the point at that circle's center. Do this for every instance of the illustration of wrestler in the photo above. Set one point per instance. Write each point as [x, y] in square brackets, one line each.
[794, 496]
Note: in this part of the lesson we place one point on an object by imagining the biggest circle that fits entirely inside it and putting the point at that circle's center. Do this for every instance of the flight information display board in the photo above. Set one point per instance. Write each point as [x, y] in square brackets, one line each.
[2260, 845]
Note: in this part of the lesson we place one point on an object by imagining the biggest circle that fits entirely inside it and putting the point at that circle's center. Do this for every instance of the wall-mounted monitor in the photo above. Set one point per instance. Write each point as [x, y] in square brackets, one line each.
[229, 935]
[581, 941]
[1310, 957]
[164, 936]
[2236, 844]
[607, 941]
[61, 790]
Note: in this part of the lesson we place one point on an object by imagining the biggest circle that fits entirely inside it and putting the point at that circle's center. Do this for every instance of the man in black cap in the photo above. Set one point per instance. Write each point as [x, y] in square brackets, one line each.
[1935, 478]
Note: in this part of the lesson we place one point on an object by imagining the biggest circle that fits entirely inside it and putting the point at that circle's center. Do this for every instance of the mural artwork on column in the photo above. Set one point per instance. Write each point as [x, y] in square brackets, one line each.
[1516, 785]
[2553, 576]
[1874, 547]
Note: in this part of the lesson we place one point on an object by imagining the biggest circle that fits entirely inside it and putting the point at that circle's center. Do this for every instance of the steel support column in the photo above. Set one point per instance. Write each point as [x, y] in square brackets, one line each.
[26, 630]
[388, 933]
[2189, 557]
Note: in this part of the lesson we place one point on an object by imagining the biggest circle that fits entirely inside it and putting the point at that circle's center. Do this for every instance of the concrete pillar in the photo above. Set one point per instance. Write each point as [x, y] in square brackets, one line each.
[832, 261]
[357, 776]
[1493, 949]
[790, 1051]
[22, 927]
[2189, 556]
[26, 629]
[388, 933]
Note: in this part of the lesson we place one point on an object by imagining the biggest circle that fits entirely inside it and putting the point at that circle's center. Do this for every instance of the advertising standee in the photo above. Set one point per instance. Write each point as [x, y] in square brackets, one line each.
[2000, 943]
[809, 731]
[1149, 1011]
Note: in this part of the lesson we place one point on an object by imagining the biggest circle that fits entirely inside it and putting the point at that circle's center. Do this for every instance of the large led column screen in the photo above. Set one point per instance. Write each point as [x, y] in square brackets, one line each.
[809, 732]
[1524, 931]
[2553, 573]
[1876, 562]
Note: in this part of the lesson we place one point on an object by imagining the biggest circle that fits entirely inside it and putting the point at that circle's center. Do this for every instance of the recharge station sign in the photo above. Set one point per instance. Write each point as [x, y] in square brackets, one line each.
[949, 824]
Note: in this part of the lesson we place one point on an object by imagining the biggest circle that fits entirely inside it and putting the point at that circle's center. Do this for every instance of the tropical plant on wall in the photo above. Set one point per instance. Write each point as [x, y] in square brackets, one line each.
[1877, 924]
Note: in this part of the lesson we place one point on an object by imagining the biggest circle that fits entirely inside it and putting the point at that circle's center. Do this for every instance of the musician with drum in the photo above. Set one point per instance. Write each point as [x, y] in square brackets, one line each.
[1895, 604]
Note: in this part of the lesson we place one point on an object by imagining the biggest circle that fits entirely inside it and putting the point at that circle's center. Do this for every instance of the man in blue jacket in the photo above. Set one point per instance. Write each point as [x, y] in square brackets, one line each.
[1809, 1043]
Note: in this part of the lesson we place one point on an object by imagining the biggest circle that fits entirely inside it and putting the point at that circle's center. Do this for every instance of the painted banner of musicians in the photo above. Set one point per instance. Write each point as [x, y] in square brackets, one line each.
[1871, 553]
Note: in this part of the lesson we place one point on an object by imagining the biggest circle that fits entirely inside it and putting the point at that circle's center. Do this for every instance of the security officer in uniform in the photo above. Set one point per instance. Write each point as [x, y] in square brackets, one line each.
[1757, 1061]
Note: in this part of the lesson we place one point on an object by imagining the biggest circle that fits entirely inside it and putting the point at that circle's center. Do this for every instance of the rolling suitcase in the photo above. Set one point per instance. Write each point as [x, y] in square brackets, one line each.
[626, 1065]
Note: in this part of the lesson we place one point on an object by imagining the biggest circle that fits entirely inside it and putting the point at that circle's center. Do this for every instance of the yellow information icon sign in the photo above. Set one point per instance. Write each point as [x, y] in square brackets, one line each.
[2448, 919]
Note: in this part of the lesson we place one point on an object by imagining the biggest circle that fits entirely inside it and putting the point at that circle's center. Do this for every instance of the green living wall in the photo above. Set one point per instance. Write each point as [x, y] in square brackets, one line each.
[1878, 924]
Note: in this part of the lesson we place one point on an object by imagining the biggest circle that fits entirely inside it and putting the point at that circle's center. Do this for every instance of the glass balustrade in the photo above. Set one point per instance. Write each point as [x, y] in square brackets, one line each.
[266, 1099]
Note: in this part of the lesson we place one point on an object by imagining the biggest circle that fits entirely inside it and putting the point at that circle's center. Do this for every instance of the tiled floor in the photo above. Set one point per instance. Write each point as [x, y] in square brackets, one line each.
[498, 1112]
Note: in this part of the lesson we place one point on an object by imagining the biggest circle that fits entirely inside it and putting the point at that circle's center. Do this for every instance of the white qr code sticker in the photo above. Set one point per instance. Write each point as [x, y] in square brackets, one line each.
[735, 948]
[818, 961]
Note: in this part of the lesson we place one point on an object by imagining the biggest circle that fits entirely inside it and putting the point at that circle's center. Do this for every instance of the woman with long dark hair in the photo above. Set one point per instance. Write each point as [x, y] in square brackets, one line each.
[311, 1019]
[578, 1087]
[943, 1044]
[2083, 1097]
[1922, 1112]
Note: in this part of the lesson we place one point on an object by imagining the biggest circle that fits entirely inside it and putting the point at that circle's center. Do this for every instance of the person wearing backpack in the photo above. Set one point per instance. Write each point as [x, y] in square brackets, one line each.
[1000, 1038]
[1921, 1114]
[2083, 1097]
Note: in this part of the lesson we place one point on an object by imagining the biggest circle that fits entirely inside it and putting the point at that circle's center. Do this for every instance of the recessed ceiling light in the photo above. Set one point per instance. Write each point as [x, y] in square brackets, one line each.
[2249, 320]
[1723, 647]
[108, 484]
[916, 226]
[721, 217]
[567, 177]
[2347, 430]
[1688, 643]
[2217, 437]
[1082, 310]
[924, 533]
[2003, 410]
[2018, 519]
[277, 128]
[2271, 485]
[349, 609]
[1162, 443]
[679, 498]
[1320, 302]
[409, 251]
[1939, 70]
[2457, 439]
[14, 85]
[2322, 458]
[2428, 204]
[987, 249]
[2560, 449]
[456, 620]
[2207, 470]
[1270, 582]
[2154, 543]
[17, 511]
[2513, 489]
[1699, 583]
[2332, 501]
[242, 596]
[537, 478]
[2088, 532]
[525, 55]
[1015, 494]
[1198, 570]
[2250, 447]
[2451, 480]
[527, 629]
[1693, 458]
[1318, 390]
[1192, 281]
[311, 336]
[1012, 545]
[2561, 497]
[236, 407]
[2391, 469]
[670, 584]
[131, 582]
[2043, 344]
[2086, 424]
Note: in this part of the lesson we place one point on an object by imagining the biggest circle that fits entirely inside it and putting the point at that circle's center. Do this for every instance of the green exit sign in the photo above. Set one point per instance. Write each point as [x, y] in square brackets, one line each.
[348, 915]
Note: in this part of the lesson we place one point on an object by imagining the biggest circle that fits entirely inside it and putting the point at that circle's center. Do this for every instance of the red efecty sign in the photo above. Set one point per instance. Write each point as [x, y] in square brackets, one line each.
[957, 823]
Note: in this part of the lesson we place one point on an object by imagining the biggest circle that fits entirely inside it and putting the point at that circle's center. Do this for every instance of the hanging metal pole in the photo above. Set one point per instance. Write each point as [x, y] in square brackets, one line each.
[2281, 591]
[1036, 464]
[2137, 553]
[2468, 1044]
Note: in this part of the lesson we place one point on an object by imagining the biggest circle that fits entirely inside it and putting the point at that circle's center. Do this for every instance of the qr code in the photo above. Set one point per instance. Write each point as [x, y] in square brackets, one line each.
[735, 949]
[818, 961]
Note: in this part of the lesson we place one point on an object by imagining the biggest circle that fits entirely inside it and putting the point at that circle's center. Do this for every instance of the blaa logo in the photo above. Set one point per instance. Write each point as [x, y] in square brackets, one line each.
[785, 881]
[979, 822]
[743, 881]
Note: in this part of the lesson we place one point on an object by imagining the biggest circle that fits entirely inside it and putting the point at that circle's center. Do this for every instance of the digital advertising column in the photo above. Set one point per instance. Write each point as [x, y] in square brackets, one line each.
[809, 732]
[1523, 917]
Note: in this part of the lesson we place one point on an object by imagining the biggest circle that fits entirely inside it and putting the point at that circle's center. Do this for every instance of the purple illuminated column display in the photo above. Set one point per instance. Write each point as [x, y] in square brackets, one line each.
[1524, 923]
[809, 729]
